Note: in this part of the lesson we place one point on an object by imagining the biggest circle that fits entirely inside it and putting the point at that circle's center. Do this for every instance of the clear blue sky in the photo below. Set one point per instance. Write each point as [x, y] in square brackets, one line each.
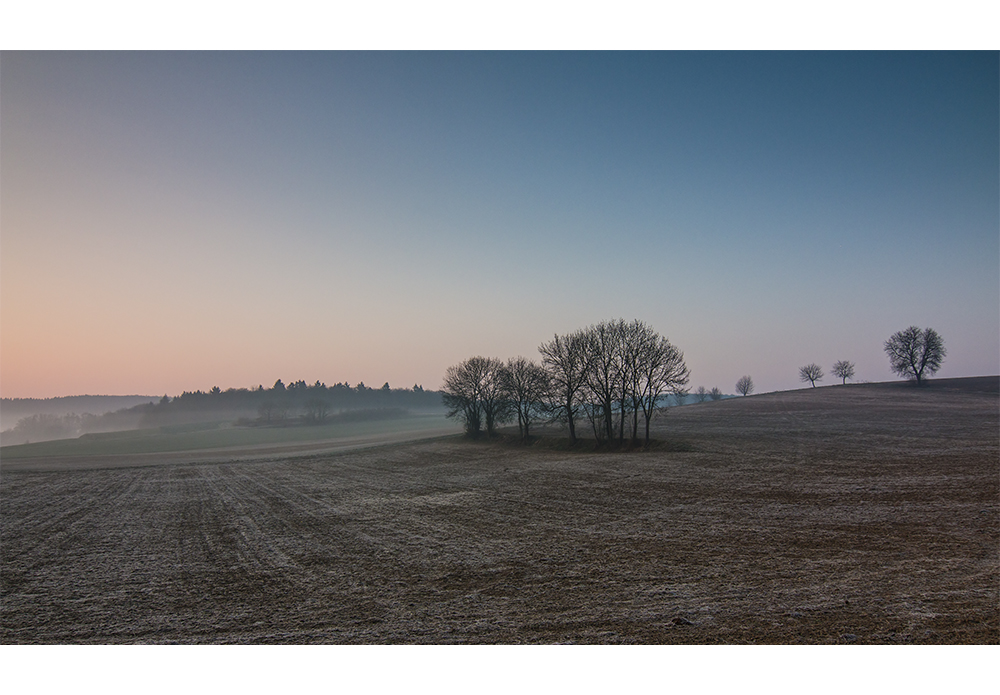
[173, 221]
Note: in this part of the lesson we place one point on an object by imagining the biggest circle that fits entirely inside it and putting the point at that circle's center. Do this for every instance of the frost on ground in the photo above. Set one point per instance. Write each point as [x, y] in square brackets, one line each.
[858, 514]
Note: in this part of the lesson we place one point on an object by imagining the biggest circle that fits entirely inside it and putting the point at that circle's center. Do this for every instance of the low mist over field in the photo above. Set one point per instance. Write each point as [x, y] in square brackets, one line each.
[296, 405]
[14, 409]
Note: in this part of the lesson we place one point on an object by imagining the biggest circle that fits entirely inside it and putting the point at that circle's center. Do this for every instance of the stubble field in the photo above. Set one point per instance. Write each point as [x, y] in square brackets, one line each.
[857, 514]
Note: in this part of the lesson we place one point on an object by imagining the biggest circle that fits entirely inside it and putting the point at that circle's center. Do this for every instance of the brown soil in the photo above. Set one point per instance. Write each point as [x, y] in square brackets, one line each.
[858, 514]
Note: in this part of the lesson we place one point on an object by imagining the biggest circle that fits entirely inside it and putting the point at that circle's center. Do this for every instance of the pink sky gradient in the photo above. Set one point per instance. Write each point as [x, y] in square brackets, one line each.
[173, 222]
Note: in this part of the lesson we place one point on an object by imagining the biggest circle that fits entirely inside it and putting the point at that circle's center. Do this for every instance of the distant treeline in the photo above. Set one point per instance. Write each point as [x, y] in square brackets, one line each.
[298, 399]
[296, 403]
[14, 409]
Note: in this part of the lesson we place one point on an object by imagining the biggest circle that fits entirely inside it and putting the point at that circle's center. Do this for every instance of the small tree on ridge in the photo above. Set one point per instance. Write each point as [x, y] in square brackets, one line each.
[811, 373]
[844, 370]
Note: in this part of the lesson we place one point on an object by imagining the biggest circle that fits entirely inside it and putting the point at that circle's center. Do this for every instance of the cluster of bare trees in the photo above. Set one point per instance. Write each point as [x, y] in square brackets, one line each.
[487, 392]
[701, 394]
[813, 372]
[610, 374]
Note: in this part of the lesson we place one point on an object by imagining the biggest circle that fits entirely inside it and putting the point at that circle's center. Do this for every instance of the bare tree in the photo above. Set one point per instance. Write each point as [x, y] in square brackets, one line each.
[317, 410]
[662, 370]
[527, 386]
[811, 373]
[745, 385]
[715, 394]
[603, 373]
[497, 408]
[565, 359]
[680, 395]
[619, 369]
[913, 352]
[267, 411]
[634, 341]
[593, 409]
[844, 370]
[701, 394]
[462, 392]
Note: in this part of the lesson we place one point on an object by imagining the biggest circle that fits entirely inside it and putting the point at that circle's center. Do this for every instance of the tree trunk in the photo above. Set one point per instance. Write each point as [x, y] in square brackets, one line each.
[609, 421]
[621, 425]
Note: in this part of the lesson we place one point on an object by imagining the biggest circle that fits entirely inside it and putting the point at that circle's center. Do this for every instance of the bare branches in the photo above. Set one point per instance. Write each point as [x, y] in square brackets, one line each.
[811, 373]
[745, 385]
[604, 369]
[844, 370]
[611, 371]
[913, 352]
[527, 386]
[630, 368]
[474, 392]
[662, 371]
[565, 359]
[462, 392]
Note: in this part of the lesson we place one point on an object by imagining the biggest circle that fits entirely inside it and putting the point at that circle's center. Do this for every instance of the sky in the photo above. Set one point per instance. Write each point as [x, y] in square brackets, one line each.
[176, 221]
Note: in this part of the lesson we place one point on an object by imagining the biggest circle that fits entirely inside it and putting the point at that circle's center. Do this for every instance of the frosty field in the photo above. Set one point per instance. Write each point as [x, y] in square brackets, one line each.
[858, 514]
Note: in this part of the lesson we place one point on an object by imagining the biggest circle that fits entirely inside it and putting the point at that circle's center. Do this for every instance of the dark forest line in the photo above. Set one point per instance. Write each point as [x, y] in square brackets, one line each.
[298, 403]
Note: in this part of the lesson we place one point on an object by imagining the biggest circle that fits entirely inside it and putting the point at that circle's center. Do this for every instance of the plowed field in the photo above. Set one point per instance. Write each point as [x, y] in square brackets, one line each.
[857, 514]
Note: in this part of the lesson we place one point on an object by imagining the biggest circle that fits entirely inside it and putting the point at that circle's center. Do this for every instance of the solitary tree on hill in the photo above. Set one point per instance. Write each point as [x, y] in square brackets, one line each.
[843, 369]
[745, 385]
[811, 373]
[914, 352]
